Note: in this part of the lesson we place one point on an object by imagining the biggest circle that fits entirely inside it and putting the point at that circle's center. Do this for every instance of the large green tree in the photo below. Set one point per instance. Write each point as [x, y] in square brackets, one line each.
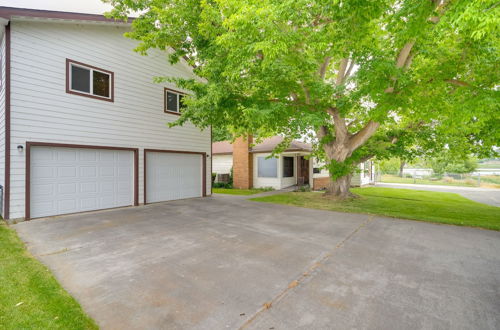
[363, 78]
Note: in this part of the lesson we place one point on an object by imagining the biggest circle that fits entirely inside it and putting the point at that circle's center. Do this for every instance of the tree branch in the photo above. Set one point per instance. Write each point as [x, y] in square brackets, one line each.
[341, 132]
[440, 4]
[322, 132]
[409, 60]
[363, 135]
[404, 53]
[403, 60]
[341, 73]
[324, 66]
[457, 82]
[306, 93]
[348, 72]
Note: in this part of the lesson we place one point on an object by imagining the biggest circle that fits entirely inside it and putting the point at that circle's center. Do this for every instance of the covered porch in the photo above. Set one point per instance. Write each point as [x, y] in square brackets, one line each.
[286, 170]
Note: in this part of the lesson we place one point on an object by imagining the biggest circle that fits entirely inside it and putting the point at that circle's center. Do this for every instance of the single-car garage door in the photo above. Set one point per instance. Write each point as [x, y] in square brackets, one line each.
[68, 180]
[171, 175]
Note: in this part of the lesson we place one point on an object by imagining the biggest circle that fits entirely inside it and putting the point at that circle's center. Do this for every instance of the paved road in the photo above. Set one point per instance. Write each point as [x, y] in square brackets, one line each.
[229, 263]
[481, 195]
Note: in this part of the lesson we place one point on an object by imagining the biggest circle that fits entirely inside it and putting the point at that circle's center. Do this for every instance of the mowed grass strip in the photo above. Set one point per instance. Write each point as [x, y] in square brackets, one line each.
[430, 206]
[30, 296]
[237, 191]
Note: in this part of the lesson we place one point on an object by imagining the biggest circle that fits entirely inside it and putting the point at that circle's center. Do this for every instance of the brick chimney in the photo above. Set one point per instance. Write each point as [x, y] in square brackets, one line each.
[242, 163]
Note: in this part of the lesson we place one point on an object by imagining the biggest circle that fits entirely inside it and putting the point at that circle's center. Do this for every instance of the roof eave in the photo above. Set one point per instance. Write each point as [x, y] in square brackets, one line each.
[10, 13]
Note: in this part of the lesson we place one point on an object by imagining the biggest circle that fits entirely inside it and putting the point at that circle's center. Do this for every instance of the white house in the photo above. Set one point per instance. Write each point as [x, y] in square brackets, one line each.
[252, 166]
[82, 125]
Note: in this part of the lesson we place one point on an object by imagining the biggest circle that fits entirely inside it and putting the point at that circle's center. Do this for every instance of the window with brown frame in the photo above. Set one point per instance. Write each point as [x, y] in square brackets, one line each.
[173, 101]
[90, 81]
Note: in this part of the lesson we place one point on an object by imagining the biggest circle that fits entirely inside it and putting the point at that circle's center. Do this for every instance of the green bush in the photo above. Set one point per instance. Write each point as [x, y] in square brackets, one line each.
[228, 185]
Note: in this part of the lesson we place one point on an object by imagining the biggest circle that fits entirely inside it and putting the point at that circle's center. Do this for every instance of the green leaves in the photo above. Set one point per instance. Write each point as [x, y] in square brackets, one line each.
[261, 63]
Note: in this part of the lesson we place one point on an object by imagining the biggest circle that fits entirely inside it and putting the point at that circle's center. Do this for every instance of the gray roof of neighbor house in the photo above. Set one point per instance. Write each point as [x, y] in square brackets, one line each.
[267, 145]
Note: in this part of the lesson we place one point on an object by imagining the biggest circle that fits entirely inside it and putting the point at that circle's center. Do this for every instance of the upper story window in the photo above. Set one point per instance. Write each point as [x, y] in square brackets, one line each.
[86, 80]
[173, 101]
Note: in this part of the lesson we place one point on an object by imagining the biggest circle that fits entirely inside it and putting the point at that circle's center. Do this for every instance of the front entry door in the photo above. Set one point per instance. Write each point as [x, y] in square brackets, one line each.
[302, 170]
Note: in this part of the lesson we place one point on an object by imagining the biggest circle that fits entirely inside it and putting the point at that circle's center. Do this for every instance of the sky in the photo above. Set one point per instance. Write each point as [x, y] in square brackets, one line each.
[79, 6]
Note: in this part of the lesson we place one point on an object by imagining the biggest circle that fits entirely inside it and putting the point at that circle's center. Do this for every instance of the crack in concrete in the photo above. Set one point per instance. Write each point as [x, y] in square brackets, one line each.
[57, 252]
[306, 274]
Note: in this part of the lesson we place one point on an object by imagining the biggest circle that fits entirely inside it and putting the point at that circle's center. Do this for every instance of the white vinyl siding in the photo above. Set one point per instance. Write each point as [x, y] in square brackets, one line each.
[222, 164]
[42, 111]
[70, 180]
[171, 176]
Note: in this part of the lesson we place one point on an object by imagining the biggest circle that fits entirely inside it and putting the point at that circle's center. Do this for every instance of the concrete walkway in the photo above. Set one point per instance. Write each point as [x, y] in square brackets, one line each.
[228, 263]
[481, 195]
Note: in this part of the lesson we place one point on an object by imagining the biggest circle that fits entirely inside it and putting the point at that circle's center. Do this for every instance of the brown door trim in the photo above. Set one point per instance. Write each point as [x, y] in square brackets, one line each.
[30, 144]
[203, 165]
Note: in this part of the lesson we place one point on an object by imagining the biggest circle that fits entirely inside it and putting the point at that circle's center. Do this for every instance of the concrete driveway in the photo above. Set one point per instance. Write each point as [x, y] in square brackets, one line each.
[228, 263]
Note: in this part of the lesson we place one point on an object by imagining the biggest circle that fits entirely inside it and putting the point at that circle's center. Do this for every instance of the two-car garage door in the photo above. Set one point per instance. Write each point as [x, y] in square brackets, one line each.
[75, 179]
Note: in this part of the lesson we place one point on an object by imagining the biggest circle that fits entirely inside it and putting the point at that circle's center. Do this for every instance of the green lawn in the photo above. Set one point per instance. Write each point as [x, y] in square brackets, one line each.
[30, 297]
[237, 191]
[427, 206]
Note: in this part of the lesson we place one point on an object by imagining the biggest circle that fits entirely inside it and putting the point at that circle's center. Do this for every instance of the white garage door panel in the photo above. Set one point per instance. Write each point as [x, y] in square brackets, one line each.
[173, 176]
[69, 180]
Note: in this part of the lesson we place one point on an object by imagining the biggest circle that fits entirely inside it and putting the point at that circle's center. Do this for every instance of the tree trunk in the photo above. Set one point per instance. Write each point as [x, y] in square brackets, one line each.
[401, 168]
[339, 188]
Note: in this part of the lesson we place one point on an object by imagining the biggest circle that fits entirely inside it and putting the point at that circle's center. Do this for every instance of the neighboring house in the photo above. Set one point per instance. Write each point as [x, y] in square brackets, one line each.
[82, 125]
[252, 166]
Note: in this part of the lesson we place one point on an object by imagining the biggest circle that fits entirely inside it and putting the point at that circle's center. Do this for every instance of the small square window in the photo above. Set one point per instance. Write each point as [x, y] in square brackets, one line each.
[86, 80]
[173, 101]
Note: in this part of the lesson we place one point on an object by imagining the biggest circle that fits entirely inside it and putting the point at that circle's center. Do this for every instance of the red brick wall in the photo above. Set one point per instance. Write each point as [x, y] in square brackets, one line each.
[242, 163]
[320, 183]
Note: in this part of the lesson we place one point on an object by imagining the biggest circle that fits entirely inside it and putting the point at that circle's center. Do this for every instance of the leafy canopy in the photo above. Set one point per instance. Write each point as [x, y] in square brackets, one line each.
[272, 67]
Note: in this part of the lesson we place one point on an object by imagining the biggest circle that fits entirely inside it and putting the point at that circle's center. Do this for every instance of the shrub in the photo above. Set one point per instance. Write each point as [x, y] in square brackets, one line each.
[222, 185]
